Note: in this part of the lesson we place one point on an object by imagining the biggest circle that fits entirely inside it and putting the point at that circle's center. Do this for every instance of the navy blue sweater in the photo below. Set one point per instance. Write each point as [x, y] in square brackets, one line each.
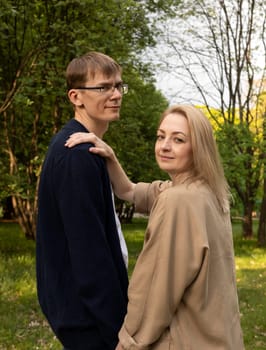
[81, 276]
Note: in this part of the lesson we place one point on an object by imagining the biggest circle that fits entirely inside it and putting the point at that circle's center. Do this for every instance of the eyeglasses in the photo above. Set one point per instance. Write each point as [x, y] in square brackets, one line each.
[122, 88]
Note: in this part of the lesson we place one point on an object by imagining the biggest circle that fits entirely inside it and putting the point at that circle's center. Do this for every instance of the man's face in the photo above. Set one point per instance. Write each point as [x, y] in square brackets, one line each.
[102, 105]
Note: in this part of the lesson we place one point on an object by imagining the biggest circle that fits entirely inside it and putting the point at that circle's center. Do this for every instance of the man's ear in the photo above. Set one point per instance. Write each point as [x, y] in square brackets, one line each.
[75, 97]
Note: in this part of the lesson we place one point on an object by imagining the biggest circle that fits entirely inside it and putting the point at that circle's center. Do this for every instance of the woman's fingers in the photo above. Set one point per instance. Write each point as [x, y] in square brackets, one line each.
[100, 147]
[80, 137]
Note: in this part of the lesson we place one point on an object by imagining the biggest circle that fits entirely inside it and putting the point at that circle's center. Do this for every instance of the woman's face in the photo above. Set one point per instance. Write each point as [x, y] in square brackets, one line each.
[173, 149]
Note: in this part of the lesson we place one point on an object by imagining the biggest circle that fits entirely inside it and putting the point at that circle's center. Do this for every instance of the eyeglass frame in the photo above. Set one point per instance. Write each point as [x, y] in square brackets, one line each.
[121, 87]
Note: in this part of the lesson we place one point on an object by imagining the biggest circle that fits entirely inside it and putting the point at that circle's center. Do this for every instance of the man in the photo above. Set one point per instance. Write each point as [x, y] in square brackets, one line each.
[81, 274]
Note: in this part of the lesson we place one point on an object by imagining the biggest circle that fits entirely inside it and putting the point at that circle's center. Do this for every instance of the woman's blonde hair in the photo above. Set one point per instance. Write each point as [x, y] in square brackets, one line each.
[207, 166]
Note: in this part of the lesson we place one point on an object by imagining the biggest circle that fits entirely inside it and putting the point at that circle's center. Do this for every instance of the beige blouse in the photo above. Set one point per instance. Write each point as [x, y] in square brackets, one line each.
[182, 294]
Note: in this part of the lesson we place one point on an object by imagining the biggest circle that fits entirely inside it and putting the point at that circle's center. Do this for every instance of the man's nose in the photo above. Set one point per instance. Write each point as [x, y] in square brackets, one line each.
[116, 93]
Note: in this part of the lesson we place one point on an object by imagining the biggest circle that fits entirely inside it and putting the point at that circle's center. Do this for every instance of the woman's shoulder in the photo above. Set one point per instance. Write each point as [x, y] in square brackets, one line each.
[186, 193]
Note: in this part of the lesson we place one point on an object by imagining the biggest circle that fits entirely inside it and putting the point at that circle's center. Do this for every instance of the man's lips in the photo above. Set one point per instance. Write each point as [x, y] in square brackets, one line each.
[113, 107]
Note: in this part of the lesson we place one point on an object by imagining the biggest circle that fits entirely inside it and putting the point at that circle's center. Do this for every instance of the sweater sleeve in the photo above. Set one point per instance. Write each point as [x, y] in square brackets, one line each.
[85, 202]
[175, 250]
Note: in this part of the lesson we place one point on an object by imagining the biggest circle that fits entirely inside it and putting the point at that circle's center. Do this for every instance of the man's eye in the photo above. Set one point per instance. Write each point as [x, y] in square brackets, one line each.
[104, 88]
[119, 86]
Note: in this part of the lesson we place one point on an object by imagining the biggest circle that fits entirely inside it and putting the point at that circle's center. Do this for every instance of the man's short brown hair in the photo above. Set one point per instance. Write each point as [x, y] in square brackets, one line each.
[82, 68]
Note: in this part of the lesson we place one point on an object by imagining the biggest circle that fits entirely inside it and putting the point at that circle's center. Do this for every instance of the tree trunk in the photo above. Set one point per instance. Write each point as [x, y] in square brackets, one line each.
[247, 221]
[25, 212]
[262, 221]
[125, 210]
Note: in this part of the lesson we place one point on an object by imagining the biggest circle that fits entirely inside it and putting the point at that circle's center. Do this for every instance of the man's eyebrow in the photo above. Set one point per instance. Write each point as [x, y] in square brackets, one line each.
[108, 82]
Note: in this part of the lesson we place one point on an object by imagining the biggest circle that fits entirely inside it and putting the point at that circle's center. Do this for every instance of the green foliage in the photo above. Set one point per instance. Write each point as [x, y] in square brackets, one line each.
[133, 137]
[23, 326]
[238, 146]
[38, 39]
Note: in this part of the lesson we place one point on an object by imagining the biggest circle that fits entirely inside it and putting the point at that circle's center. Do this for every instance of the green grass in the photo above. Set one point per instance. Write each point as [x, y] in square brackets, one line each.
[23, 327]
[251, 281]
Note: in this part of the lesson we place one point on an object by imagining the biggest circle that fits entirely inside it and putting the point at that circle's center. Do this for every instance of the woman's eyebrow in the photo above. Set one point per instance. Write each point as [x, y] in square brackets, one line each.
[173, 133]
[179, 132]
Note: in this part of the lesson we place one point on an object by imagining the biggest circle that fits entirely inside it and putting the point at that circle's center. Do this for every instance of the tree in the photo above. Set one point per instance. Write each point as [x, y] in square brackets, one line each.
[262, 219]
[214, 47]
[38, 39]
[133, 137]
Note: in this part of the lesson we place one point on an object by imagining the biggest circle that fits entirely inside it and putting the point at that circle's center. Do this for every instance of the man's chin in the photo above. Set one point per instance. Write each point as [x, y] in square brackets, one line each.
[115, 117]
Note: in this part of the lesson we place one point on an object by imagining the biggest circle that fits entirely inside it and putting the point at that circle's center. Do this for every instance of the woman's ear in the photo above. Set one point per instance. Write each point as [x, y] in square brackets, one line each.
[75, 97]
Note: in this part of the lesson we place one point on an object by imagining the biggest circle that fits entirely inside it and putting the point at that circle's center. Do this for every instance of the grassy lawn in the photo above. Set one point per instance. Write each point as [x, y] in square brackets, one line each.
[23, 326]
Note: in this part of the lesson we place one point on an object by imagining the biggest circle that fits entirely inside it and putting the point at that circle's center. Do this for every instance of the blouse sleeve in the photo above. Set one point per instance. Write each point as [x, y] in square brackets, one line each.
[174, 252]
[146, 193]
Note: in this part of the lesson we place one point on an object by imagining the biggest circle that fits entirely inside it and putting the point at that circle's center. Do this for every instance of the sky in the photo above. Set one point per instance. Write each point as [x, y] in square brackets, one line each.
[173, 81]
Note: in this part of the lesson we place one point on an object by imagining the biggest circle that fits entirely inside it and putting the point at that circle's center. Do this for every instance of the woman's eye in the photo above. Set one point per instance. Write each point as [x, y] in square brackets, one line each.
[159, 137]
[178, 140]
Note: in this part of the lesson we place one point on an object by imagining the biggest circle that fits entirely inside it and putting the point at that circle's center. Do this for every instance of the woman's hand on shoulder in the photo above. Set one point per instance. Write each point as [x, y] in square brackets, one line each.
[100, 147]
[122, 186]
[119, 346]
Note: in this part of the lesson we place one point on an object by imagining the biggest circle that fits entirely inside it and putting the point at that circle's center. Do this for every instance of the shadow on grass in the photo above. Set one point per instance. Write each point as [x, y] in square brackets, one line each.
[12, 241]
[247, 247]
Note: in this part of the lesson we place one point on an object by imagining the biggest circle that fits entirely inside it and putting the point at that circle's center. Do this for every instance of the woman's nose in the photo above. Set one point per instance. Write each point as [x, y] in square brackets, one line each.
[166, 145]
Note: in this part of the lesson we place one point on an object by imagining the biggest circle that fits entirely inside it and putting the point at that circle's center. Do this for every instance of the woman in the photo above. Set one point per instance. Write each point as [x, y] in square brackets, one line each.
[182, 293]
